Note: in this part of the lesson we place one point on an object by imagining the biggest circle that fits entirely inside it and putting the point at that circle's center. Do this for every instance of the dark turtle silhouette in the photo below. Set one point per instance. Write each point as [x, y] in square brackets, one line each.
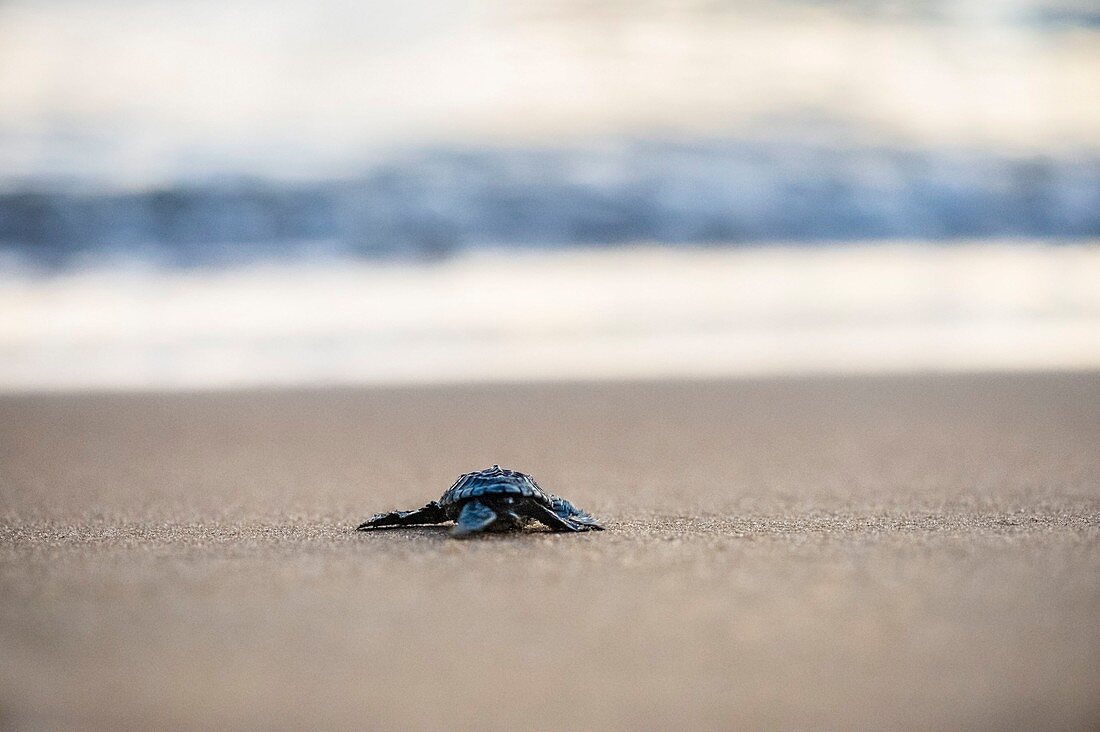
[493, 499]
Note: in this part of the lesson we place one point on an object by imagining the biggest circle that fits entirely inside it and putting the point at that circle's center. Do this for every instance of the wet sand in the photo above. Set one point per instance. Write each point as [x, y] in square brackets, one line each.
[895, 553]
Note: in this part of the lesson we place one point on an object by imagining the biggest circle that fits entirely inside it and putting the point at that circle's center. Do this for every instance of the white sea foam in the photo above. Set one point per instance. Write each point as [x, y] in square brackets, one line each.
[580, 314]
[132, 92]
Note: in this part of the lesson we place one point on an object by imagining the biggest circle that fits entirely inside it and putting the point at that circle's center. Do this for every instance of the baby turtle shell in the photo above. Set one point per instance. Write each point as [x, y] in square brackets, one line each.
[493, 499]
[493, 481]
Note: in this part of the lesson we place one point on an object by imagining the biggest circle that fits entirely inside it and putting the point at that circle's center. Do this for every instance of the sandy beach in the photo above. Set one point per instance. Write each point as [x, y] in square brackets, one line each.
[902, 552]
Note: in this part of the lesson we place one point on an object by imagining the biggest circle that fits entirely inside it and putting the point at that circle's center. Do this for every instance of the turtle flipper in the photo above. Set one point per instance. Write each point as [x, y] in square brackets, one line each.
[432, 513]
[475, 517]
[550, 519]
[562, 515]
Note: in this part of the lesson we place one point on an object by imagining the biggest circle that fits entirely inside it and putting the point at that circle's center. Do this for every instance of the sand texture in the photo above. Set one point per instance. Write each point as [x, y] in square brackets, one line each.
[884, 553]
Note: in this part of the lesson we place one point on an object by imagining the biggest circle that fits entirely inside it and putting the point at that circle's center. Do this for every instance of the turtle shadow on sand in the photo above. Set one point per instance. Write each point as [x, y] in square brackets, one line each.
[441, 533]
[492, 500]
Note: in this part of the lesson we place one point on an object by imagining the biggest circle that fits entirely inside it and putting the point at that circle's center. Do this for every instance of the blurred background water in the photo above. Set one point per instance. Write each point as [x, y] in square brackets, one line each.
[237, 192]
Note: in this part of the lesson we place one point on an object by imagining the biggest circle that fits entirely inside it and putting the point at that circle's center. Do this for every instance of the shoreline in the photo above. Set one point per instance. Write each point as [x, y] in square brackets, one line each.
[631, 313]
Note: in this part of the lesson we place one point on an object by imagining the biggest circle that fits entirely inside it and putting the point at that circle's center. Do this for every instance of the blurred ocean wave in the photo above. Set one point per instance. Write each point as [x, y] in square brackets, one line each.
[239, 193]
[440, 202]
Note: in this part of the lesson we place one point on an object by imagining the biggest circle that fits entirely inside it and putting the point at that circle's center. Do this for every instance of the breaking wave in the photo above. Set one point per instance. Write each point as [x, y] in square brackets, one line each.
[433, 203]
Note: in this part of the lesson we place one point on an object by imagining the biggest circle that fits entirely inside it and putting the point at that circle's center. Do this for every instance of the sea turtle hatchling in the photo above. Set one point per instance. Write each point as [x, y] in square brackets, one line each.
[493, 499]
